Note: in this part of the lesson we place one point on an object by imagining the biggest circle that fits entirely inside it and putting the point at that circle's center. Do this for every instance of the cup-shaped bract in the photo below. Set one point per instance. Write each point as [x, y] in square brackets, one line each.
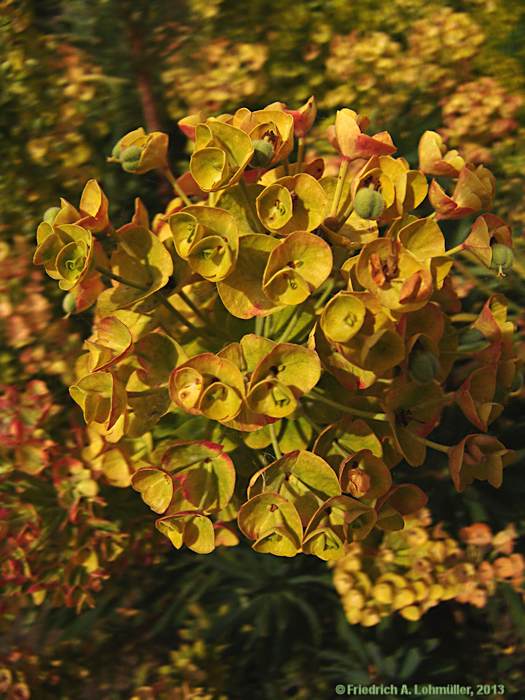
[435, 159]
[110, 342]
[338, 521]
[394, 275]
[221, 153]
[203, 475]
[347, 137]
[475, 397]
[194, 530]
[303, 117]
[413, 410]
[281, 377]
[473, 192]
[157, 355]
[274, 524]
[143, 260]
[102, 398]
[274, 127]
[155, 486]
[66, 251]
[477, 457]
[93, 208]
[292, 203]
[208, 239]
[296, 268]
[242, 292]
[349, 437]
[139, 152]
[363, 475]
[301, 477]
[342, 317]
[209, 385]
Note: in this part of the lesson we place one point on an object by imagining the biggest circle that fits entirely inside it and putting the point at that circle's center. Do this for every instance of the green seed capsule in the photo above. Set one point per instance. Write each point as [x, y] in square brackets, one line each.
[69, 303]
[130, 158]
[423, 366]
[502, 257]
[369, 204]
[262, 153]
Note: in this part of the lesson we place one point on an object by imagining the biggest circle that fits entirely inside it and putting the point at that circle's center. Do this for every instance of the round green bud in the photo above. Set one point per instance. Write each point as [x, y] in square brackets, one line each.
[502, 257]
[130, 158]
[50, 214]
[423, 366]
[369, 204]
[262, 153]
[69, 303]
[472, 340]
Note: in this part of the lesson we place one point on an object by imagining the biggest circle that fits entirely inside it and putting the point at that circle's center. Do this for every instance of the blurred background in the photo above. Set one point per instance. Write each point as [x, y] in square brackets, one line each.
[94, 603]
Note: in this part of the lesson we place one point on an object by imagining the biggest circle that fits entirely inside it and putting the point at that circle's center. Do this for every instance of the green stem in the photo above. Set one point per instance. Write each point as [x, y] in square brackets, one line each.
[430, 443]
[267, 326]
[176, 187]
[289, 328]
[252, 212]
[118, 278]
[456, 249]
[343, 170]
[168, 305]
[186, 299]
[275, 444]
[163, 300]
[330, 284]
[347, 409]
[463, 318]
[259, 325]
[337, 447]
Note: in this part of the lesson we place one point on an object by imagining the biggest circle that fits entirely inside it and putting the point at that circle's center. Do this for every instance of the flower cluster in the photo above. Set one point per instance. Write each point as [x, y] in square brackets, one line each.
[228, 72]
[272, 306]
[479, 115]
[415, 569]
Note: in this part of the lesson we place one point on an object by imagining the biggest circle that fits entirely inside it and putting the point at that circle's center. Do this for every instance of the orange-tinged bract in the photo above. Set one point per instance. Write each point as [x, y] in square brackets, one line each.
[272, 307]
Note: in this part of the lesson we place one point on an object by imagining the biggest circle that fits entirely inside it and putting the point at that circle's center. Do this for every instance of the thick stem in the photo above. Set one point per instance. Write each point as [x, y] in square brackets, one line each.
[343, 170]
[347, 409]
[290, 327]
[186, 299]
[177, 314]
[176, 187]
[330, 284]
[118, 278]
[456, 249]
[163, 300]
[275, 444]
[430, 443]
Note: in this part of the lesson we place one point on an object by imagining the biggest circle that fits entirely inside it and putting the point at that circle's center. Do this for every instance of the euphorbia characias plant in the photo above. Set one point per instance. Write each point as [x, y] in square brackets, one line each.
[267, 350]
